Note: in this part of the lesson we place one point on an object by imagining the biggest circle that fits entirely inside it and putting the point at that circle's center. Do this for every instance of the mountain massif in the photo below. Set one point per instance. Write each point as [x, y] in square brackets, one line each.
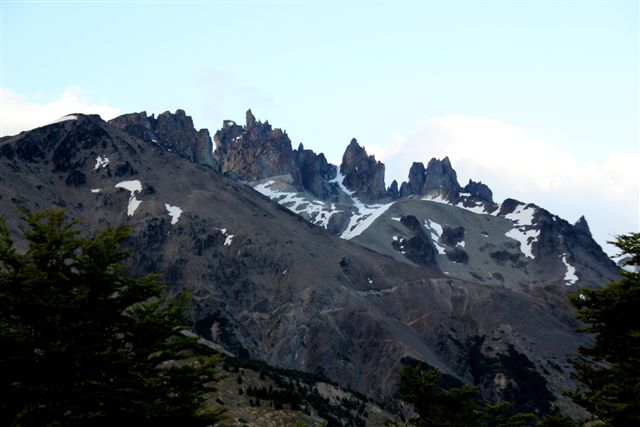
[318, 267]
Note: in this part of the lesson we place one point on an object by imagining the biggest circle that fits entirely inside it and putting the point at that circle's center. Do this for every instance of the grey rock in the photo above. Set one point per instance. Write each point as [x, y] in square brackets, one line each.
[440, 178]
[316, 173]
[173, 132]
[479, 191]
[255, 151]
[362, 173]
[582, 226]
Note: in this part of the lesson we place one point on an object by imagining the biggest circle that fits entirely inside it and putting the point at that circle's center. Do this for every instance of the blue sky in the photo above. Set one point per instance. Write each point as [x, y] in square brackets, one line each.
[537, 99]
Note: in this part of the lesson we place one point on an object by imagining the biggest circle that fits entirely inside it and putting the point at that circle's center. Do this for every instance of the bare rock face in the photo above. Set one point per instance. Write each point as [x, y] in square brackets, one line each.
[582, 226]
[316, 173]
[362, 173]
[255, 151]
[418, 248]
[415, 185]
[479, 191]
[440, 178]
[393, 191]
[171, 131]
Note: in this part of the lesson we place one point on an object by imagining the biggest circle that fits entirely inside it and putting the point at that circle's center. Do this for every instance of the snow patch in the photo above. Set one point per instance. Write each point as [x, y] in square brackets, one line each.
[366, 214]
[526, 239]
[396, 218]
[522, 215]
[101, 162]
[318, 212]
[174, 212]
[570, 277]
[133, 187]
[229, 237]
[477, 208]
[523, 232]
[96, 190]
[436, 231]
[362, 220]
[339, 179]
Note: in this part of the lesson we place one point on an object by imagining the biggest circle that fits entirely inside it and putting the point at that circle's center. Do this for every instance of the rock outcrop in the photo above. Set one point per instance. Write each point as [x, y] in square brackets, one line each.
[582, 226]
[316, 173]
[415, 185]
[479, 191]
[255, 151]
[440, 178]
[173, 132]
[362, 173]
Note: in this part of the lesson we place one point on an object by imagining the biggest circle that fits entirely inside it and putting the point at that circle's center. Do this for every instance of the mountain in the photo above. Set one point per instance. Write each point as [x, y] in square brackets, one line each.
[331, 272]
[431, 220]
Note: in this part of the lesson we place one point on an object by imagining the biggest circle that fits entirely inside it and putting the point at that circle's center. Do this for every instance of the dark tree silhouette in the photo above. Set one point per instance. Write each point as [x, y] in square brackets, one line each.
[84, 344]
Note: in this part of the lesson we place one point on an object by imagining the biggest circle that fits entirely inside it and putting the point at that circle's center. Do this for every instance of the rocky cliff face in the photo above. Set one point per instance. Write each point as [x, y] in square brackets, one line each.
[316, 173]
[582, 226]
[362, 173]
[440, 178]
[173, 132]
[437, 179]
[415, 185]
[479, 192]
[255, 151]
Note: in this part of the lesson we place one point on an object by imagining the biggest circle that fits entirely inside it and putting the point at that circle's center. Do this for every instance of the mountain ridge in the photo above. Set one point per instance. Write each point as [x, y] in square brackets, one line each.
[353, 196]
[270, 284]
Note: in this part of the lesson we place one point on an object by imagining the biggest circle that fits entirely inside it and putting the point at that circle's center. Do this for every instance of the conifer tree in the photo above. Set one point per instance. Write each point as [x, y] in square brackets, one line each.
[84, 344]
[609, 368]
[437, 406]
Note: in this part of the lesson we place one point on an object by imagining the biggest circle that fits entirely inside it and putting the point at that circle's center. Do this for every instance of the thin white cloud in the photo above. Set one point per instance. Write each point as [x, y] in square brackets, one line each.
[515, 164]
[19, 112]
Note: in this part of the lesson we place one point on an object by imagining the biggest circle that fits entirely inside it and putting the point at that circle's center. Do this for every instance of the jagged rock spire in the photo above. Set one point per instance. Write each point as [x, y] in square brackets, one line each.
[440, 177]
[250, 120]
[479, 190]
[582, 226]
[362, 173]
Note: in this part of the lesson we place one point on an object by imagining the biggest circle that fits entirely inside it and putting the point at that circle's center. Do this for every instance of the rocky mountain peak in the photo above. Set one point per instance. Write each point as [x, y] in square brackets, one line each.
[582, 226]
[250, 120]
[440, 177]
[255, 151]
[173, 132]
[415, 185]
[479, 191]
[316, 173]
[362, 173]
